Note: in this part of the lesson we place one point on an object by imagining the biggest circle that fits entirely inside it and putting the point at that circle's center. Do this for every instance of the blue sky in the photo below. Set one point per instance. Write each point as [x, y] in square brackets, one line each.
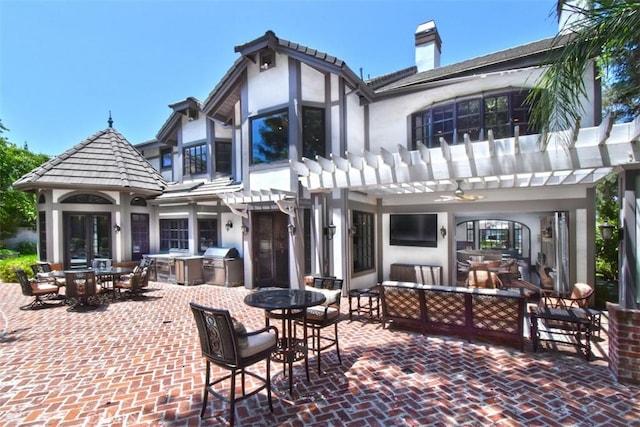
[65, 64]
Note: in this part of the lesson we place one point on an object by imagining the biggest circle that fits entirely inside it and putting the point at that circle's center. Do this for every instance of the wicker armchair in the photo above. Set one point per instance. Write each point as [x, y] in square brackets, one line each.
[579, 298]
[82, 289]
[483, 278]
[32, 288]
[43, 273]
[132, 284]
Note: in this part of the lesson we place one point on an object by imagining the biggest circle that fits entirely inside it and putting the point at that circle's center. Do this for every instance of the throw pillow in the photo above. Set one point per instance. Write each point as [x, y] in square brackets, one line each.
[241, 333]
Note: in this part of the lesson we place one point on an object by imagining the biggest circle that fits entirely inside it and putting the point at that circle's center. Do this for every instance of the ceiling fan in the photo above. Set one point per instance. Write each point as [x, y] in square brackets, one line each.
[460, 195]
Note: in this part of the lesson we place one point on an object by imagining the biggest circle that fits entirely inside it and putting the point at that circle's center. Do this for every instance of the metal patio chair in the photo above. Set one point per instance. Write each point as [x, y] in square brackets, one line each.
[231, 347]
[322, 316]
[32, 288]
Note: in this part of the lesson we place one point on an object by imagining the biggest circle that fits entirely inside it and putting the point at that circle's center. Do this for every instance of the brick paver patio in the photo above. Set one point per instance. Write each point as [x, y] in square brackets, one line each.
[137, 363]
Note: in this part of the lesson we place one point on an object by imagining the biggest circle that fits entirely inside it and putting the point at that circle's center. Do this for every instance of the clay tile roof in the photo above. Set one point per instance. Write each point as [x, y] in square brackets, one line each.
[105, 161]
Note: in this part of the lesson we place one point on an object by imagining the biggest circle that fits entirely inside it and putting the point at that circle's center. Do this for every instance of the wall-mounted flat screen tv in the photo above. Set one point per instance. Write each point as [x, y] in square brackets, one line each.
[413, 230]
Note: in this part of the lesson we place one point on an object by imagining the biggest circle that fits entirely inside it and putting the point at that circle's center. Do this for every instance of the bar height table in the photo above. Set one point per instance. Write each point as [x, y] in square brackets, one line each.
[293, 304]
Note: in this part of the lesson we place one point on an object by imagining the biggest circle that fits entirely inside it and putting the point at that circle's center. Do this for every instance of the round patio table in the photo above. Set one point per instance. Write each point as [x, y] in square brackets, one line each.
[293, 304]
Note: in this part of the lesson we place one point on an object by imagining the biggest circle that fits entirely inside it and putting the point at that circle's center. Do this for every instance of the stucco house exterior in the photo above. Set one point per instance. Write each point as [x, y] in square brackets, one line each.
[292, 143]
[305, 167]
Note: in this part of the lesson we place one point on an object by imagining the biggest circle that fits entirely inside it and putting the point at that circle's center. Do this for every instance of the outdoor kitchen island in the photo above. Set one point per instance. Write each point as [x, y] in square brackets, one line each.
[217, 266]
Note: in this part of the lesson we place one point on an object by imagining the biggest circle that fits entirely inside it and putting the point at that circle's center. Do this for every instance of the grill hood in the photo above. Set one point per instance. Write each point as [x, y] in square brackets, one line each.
[221, 253]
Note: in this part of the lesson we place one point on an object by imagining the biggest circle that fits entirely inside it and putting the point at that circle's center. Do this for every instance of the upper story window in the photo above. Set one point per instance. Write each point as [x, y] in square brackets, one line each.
[270, 138]
[195, 159]
[223, 157]
[313, 133]
[166, 159]
[499, 113]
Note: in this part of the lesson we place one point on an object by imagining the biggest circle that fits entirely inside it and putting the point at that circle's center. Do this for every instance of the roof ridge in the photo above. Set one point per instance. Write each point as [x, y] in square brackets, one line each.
[116, 146]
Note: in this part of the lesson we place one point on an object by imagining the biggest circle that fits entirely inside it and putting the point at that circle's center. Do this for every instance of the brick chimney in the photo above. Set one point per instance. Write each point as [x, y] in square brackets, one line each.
[428, 44]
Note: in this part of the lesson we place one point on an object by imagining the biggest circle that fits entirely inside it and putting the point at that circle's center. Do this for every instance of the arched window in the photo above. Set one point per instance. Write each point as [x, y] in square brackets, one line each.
[508, 236]
[138, 201]
[91, 199]
[41, 199]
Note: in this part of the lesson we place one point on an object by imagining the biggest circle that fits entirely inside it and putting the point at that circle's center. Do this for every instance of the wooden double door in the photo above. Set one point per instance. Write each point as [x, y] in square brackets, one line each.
[270, 242]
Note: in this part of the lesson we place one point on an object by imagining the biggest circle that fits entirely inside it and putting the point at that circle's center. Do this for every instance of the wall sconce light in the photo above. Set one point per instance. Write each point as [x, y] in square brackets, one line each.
[228, 225]
[330, 231]
[244, 228]
[443, 232]
[606, 230]
[291, 228]
[352, 231]
[116, 228]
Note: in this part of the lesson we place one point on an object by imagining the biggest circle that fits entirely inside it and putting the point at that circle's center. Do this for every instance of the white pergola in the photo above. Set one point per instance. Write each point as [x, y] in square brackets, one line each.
[580, 156]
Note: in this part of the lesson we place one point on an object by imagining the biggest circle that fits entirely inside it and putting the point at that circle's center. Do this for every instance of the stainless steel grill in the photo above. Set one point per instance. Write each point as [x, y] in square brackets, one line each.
[223, 267]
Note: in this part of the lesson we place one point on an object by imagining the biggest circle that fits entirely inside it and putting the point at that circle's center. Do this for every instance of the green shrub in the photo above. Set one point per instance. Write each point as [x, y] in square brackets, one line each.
[27, 248]
[7, 253]
[7, 265]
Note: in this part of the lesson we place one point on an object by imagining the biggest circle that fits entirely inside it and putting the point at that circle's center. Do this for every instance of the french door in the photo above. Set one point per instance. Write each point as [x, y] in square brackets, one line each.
[139, 235]
[86, 236]
[271, 249]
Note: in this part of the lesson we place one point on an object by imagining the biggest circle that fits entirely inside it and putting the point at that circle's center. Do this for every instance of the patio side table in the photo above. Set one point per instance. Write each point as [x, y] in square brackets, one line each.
[371, 308]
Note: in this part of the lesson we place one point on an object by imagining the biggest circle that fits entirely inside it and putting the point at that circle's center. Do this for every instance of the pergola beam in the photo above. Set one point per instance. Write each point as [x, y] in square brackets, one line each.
[568, 157]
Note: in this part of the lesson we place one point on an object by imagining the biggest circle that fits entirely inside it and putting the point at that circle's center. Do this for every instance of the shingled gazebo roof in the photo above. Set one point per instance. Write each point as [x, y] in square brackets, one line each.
[105, 161]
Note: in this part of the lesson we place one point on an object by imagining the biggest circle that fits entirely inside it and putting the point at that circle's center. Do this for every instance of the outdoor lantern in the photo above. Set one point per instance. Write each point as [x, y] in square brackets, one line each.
[443, 232]
[291, 228]
[228, 225]
[606, 230]
[330, 231]
[116, 228]
[244, 229]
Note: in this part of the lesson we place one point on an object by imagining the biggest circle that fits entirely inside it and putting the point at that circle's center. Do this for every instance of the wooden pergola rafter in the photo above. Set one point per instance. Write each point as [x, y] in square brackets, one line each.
[240, 202]
[576, 156]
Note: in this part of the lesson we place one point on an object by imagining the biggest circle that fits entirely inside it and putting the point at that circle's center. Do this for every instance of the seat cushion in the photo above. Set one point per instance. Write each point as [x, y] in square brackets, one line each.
[257, 343]
[241, 334]
[331, 295]
[316, 314]
[44, 287]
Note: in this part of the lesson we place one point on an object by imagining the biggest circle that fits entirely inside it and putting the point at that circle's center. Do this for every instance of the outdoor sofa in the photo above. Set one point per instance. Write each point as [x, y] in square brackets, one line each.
[471, 313]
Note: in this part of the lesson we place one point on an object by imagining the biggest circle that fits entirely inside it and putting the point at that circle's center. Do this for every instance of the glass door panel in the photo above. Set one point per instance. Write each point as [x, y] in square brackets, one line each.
[139, 235]
[271, 243]
[87, 236]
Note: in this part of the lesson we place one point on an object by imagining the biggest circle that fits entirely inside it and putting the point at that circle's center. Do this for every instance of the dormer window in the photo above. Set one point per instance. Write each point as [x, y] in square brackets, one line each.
[267, 60]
